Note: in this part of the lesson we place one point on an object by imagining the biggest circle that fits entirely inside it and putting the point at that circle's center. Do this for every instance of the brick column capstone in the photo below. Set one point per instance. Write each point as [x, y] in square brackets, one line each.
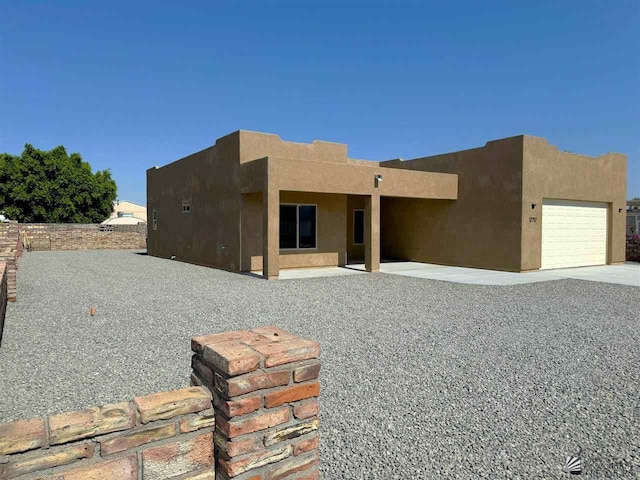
[264, 384]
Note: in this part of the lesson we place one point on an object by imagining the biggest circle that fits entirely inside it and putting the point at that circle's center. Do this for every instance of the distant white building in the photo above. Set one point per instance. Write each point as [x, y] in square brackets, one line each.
[127, 213]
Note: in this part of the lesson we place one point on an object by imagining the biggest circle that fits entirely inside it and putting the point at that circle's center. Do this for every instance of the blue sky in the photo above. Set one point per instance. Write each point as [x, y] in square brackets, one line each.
[130, 84]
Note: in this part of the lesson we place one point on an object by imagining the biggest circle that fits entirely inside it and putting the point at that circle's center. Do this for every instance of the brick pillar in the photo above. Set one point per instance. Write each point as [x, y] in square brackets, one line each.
[264, 384]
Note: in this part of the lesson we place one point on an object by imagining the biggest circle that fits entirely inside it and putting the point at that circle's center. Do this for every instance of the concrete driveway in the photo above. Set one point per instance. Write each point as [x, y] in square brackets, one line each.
[625, 274]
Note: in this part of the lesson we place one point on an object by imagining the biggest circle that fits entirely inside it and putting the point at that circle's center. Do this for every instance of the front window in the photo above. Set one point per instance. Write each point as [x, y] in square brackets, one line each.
[297, 226]
[125, 215]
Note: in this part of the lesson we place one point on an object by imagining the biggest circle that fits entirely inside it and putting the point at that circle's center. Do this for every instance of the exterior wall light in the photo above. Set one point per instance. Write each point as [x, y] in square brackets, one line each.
[378, 179]
[619, 210]
[533, 206]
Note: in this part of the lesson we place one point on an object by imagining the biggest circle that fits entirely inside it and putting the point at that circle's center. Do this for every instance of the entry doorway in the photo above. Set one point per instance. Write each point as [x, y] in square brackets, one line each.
[355, 229]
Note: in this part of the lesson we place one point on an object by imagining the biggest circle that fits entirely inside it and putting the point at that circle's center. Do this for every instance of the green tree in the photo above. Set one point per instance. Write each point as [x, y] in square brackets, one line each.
[53, 186]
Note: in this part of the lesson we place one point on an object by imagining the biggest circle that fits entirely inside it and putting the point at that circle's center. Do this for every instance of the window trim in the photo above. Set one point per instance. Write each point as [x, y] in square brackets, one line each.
[353, 240]
[297, 247]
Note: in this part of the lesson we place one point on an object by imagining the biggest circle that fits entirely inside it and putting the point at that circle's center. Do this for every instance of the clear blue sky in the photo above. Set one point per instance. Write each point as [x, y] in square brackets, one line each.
[132, 84]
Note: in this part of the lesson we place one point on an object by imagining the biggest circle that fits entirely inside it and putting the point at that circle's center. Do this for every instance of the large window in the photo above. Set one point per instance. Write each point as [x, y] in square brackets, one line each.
[297, 226]
[358, 227]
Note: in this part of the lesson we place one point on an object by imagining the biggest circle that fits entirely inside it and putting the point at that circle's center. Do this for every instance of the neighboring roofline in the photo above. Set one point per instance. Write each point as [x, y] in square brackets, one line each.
[118, 202]
[107, 220]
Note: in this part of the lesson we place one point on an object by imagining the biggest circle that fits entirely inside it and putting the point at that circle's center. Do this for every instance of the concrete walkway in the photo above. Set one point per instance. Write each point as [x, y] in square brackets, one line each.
[317, 272]
[625, 274]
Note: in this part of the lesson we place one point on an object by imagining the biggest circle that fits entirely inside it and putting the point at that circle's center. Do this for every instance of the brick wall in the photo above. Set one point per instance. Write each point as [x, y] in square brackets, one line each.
[3, 297]
[264, 384]
[59, 236]
[164, 435]
[10, 252]
[252, 414]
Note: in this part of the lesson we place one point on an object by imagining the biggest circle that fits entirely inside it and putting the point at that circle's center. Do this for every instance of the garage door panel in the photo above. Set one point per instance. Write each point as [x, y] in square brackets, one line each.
[573, 234]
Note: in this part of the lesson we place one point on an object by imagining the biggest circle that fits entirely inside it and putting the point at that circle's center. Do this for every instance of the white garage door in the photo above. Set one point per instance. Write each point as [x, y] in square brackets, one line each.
[574, 234]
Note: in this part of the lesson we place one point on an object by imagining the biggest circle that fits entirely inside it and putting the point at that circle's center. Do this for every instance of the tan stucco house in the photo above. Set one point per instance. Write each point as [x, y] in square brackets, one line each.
[253, 202]
[126, 213]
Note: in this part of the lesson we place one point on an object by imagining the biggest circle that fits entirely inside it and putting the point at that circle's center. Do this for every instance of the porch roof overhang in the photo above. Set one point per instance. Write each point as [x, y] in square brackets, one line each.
[322, 177]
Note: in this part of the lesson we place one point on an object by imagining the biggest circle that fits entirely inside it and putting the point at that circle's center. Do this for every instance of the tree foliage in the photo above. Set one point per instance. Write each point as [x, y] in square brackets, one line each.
[53, 186]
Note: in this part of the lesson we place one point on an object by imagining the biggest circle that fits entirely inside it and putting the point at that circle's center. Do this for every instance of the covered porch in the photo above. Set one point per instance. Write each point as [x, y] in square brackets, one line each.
[324, 216]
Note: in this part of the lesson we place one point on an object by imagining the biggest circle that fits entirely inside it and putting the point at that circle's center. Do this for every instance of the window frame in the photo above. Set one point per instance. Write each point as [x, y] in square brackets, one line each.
[353, 240]
[297, 247]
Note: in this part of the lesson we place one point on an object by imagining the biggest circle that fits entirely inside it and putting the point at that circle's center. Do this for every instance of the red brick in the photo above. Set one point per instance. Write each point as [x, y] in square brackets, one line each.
[288, 351]
[308, 372]
[258, 422]
[125, 468]
[232, 358]
[194, 381]
[160, 406]
[178, 458]
[289, 433]
[293, 465]
[22, 435]
[135, 439]
[198, 343]
[235, 386]
[233, 467]
[234, 408]
[91, 422]
[207, 474]
[204, 373]
[50, 458]
[306, 445]
[292, 394]
[306, 409]
[198, 422]
[234, 448]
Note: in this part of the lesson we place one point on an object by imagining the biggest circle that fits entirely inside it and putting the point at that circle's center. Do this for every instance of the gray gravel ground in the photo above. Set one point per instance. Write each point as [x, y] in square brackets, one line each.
[421, 379]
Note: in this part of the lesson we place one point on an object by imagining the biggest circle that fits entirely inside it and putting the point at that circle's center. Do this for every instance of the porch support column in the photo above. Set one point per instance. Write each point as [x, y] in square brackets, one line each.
[372, 233]
[271, 233]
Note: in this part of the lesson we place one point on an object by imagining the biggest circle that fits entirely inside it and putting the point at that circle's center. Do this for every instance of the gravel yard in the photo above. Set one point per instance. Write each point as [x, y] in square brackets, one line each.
[420, 379]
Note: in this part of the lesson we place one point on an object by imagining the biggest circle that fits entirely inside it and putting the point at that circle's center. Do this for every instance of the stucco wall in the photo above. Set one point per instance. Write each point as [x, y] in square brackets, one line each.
[481, 229]
[331, 229]
[254, 145]
[209, 180]
[551, 174]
